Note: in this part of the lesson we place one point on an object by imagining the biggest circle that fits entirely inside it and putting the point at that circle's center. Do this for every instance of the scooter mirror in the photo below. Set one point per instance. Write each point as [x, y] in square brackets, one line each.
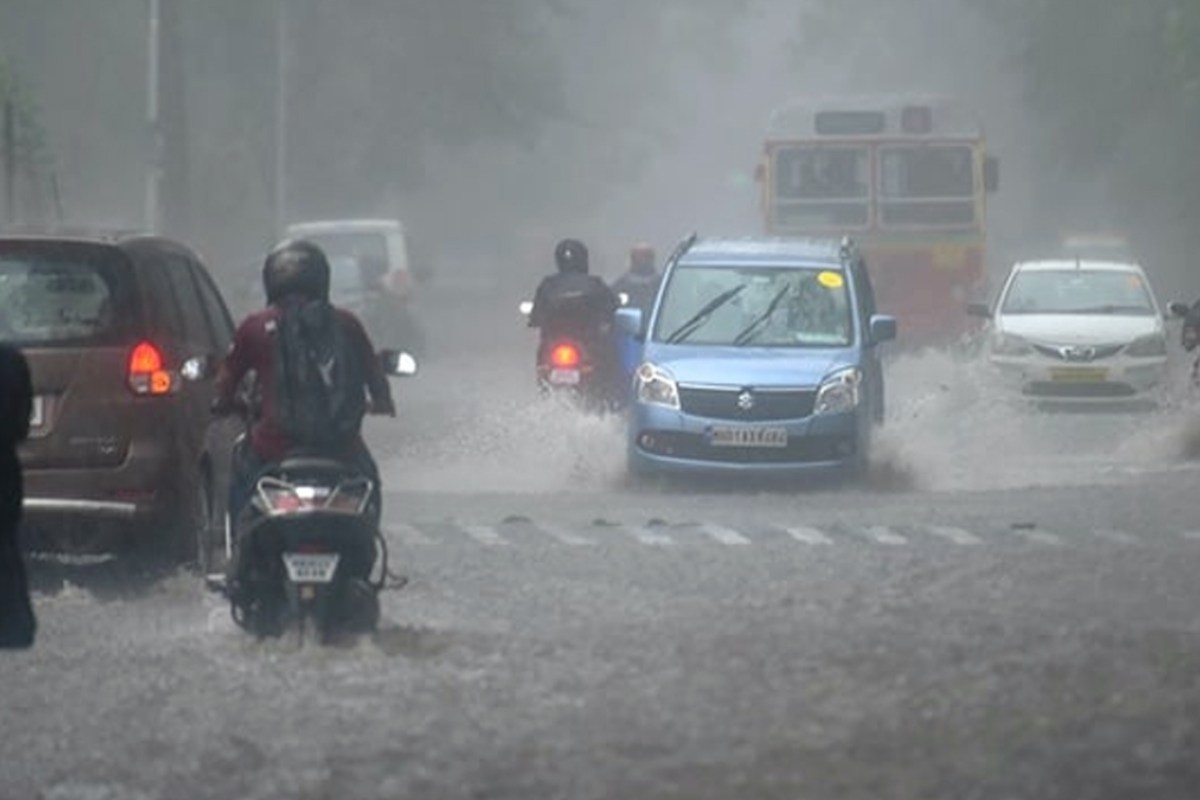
[526, 307]
[399, 364]
[623, 298]
[1178, 309]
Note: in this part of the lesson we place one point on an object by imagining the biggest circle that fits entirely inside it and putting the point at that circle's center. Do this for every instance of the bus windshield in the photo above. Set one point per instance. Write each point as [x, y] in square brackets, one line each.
[926, 185]
[823, 186]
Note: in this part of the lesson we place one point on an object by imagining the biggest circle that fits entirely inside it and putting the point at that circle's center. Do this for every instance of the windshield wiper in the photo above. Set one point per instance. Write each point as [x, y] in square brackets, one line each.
[752, 329]
[1110, 309]
[700, 317]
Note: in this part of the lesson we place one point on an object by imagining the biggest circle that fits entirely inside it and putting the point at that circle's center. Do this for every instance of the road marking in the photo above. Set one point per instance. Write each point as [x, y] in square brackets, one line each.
[407, 534]
[885, 535]
[647, 536]
[808, 535]
[1115, 536]
[565, 536]
[955, 535]
[724, 535]
[484, 534]
[1037, 537]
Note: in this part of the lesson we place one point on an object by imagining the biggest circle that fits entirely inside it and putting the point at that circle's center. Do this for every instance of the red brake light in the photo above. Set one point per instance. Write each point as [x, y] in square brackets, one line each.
[565, 355]
[146, 373]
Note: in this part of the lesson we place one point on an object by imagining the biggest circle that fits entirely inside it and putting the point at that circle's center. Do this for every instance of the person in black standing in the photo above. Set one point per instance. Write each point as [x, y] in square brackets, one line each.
[17, 623]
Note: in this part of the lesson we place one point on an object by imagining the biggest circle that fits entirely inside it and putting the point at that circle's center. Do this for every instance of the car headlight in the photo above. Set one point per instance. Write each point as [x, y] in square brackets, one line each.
[839, 392]
[1005, 344]
[1148, 347]
[655, 386]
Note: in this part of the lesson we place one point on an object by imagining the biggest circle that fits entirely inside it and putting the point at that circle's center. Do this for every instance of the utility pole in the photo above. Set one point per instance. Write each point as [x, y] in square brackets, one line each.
[281, 90]
[155, 144]
[10, 161]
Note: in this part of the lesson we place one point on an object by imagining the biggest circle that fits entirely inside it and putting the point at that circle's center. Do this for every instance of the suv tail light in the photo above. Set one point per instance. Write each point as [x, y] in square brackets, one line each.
[146, 373]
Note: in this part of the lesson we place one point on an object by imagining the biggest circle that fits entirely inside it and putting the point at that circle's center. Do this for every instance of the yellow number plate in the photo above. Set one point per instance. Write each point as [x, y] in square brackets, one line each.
[1079, 374]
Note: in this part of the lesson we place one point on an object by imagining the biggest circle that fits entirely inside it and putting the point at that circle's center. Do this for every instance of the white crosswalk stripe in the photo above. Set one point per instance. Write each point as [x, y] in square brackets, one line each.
[1114, 536]
[1037, 536]
[406, 534]
[485, 534]
[724, 535]
[648, 536]
[884, 535]
[561, 534]
[808, 535]
[955, 535]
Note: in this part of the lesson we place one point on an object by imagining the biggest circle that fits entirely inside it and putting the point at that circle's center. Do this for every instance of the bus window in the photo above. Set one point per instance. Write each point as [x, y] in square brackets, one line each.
[927, 185]
[822, 186]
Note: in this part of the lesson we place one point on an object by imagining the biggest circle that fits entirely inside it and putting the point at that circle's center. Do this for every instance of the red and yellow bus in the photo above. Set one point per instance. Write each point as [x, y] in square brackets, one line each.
[907, 178]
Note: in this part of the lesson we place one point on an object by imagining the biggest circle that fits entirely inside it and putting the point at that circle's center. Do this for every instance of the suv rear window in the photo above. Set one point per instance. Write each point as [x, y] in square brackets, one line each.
[56, 294]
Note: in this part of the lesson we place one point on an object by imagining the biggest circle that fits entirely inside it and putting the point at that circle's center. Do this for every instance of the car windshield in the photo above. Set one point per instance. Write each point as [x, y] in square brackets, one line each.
[755, 306]
[1078, 291]
[353, 256]
[53, 298]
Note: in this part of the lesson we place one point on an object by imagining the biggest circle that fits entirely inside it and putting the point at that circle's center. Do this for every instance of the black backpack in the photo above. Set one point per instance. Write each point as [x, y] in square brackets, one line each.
[320, 378]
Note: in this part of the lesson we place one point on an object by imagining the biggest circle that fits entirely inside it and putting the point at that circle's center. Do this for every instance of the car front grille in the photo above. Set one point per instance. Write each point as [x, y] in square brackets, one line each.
[1079, 353]
[764, 404]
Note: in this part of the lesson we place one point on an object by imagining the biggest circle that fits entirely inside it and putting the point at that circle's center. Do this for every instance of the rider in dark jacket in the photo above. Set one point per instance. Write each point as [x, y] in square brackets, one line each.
[574, 304]
[18, 625]
[295, 273]
[641, 282]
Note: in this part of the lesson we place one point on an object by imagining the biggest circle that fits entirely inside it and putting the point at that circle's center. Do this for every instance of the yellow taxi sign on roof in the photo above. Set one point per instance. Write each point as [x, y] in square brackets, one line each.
[831, 280]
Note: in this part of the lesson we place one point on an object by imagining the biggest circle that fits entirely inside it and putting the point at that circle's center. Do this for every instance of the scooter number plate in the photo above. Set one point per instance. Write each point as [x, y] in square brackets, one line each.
[565, 377]
[311, 567]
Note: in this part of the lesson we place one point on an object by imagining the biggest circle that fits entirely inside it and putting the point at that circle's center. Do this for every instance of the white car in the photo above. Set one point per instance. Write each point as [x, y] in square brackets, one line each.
[1078, 331]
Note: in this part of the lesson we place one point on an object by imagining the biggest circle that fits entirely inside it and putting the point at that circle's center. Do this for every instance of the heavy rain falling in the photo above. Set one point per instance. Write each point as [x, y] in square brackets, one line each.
[882, 488]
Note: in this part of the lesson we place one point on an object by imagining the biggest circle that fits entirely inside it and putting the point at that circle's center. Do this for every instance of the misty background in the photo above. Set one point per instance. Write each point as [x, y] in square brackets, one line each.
[495, 127]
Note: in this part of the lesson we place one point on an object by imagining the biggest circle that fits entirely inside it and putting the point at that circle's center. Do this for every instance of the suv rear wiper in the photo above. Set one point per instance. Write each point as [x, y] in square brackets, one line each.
[752, 329]
[700, 317]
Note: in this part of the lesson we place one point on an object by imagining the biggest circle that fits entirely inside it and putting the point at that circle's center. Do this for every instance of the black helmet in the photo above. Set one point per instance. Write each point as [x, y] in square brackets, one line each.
[571, 255]
[298, 267]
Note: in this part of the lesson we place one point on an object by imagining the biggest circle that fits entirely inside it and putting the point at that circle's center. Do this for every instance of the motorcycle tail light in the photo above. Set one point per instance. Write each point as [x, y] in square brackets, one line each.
[349, 498]
[565, 356]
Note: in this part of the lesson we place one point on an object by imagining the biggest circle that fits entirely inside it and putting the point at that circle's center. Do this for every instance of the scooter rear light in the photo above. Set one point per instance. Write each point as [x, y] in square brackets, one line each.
[565, 356]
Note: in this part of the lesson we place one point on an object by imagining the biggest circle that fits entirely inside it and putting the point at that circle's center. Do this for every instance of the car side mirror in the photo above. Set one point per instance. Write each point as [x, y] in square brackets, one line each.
[1179, 310]
[629, 322]
[526, 308]
[198, 368]
[883, 328]
[398, 363]
[991, 174]
[979, 310]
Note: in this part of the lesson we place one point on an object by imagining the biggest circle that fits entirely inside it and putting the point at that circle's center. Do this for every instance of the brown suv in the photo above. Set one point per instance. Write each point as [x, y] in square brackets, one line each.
[121, 443]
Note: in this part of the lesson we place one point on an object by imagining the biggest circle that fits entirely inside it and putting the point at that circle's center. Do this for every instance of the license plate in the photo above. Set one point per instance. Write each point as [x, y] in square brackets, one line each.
[1079, 374]
[37, 417]
[311, 567]
[564, 377]
[748, 437]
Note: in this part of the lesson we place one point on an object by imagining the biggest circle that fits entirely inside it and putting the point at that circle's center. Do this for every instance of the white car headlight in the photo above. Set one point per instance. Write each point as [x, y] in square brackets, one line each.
[655, 386]
[1148, 346]
[1005, 344]
[839, 392]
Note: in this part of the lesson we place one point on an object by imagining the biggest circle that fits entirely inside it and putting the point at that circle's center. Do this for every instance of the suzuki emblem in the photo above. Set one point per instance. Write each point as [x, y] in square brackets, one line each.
[745, 400]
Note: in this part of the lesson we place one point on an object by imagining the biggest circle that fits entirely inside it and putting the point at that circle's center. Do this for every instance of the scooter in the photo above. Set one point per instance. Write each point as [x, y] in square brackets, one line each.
[306, 552]
[566, 368]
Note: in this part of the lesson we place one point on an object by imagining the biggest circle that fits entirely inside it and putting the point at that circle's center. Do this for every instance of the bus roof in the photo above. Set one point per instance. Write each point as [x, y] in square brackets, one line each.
[873, 117]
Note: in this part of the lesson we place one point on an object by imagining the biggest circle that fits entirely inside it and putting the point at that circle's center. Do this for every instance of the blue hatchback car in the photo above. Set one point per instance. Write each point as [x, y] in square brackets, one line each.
[760, 355]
